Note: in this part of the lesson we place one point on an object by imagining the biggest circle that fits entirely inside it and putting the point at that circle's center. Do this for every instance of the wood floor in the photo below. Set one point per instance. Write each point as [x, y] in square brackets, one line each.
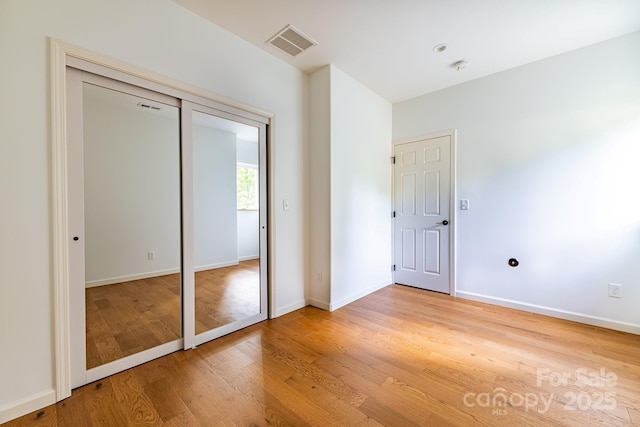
[126, 318]
[399, 357]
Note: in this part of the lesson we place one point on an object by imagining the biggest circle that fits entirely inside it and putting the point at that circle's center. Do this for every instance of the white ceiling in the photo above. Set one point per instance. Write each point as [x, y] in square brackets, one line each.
[387, 44]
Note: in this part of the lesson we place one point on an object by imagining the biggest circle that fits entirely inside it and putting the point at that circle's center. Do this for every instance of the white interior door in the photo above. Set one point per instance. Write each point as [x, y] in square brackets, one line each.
[422, 229]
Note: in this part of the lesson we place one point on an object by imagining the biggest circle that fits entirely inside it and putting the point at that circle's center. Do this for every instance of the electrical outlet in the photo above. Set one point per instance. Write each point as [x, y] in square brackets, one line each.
[318, 277]
[615, 290]
[151, 255]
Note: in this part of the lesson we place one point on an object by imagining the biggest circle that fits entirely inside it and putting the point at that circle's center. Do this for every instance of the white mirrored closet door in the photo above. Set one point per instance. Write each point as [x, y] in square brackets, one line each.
[168, 217]
[229, 221]
[124, 163]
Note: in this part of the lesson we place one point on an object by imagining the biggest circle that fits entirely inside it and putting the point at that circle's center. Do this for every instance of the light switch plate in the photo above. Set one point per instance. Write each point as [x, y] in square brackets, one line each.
[464, 205]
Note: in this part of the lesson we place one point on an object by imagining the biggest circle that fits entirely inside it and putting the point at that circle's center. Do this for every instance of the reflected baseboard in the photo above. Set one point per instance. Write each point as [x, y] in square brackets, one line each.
[129, 278]
[147, 275]
[216, 265]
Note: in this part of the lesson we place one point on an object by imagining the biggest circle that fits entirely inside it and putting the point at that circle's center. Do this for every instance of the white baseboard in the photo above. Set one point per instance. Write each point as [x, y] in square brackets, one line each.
[29, 404]
[336, 305]
[248, 257]
[288, 309]
[554, 312]
[332, 306]
[322, 305]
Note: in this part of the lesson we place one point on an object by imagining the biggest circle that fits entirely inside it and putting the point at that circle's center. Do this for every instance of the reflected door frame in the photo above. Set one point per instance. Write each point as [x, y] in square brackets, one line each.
[63, 58]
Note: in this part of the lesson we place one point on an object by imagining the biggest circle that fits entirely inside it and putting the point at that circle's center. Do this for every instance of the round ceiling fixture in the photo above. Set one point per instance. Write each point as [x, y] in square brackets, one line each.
[460, 65]
[439, 48]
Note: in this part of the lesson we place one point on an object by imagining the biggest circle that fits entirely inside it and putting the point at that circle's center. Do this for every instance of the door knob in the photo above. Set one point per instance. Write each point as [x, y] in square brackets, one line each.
[76, 238]
[445, 222]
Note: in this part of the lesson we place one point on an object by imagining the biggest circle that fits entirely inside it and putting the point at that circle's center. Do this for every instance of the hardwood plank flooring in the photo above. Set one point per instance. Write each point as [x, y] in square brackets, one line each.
[398, 357]
[125, 318]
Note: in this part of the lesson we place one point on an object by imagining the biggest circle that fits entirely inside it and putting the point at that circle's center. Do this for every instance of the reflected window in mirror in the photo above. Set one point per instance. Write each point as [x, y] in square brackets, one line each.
[248, 187]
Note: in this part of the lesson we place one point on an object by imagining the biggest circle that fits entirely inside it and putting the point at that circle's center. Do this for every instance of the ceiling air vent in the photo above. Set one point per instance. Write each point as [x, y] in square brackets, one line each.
[291, 41]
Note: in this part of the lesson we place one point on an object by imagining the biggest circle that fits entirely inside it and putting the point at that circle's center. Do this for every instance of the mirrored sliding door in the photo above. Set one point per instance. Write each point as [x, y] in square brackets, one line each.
[132, 224]
[167, 214]
[228, 261]
[129, 173]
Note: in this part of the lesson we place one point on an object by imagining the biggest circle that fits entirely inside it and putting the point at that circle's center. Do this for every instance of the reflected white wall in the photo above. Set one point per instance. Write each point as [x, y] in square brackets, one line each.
[214, 198]
[132, 188]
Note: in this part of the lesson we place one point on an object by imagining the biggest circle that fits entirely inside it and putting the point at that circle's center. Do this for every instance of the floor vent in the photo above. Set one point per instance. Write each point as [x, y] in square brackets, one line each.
[291, 41]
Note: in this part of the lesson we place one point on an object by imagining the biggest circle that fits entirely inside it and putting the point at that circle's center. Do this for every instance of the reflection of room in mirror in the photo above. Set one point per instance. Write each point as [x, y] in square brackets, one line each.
[226, 236]
[225, 295]
[131, 159]
[166, 253]
[125, 318]
[132, 221]
[131, 204]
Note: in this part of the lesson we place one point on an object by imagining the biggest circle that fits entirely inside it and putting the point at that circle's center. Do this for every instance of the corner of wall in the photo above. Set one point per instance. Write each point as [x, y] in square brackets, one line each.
[319, 186]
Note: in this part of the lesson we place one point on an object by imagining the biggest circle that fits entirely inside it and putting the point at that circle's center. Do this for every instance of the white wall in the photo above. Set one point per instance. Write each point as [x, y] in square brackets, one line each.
[158, 35]
[351, 186]
[360, 190]
[547, 156]
[131, 186]
[215, 220]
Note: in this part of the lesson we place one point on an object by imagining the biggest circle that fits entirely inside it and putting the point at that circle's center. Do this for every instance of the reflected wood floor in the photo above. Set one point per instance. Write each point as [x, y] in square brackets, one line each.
[125, 318]
[398, 357]
[224, 295]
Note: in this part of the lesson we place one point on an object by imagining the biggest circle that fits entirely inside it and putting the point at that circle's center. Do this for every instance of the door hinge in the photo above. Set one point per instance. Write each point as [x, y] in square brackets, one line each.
[393, 160]
[393, 267]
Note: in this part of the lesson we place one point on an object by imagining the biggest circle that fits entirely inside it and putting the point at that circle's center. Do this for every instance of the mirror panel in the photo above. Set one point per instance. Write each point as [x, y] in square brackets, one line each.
[131, 149]
[226, 221]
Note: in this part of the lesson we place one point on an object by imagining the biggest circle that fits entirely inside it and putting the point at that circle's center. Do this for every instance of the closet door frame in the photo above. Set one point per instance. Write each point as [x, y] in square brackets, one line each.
[63, 55]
